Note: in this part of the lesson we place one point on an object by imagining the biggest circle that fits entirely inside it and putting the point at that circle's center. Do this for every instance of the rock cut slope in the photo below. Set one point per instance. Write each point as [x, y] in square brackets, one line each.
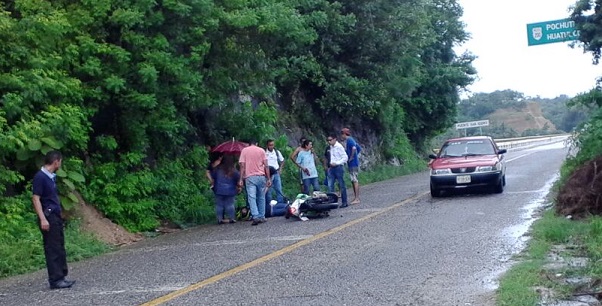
[531, 117]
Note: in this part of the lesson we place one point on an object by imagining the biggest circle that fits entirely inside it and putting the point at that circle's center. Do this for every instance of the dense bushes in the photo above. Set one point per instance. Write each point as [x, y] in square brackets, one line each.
[586, 143]
[132, 91]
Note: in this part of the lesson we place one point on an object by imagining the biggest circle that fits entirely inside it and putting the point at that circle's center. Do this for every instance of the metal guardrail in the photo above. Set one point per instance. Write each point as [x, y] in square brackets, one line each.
[521, 142]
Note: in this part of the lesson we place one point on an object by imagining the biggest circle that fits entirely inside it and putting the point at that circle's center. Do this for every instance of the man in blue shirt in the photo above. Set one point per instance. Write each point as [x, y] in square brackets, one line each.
[353, 162]
[48, 208]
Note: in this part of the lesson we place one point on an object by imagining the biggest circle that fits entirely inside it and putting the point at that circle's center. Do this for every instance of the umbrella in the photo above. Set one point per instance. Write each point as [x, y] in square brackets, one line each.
[230, 147]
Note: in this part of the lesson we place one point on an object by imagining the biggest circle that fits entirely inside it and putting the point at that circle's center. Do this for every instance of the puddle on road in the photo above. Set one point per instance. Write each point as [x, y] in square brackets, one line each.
[514, 239]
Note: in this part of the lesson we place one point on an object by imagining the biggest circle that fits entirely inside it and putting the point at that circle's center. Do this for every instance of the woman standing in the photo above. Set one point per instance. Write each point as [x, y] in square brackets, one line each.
[306, 161]
[225, 187]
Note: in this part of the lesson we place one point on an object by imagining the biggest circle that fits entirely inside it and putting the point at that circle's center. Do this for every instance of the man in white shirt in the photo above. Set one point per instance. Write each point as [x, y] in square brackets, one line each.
[338, 159]
[275, 162]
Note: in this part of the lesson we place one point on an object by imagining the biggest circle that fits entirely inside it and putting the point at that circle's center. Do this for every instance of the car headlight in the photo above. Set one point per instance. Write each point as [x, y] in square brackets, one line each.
[495, 167]
[440, 171]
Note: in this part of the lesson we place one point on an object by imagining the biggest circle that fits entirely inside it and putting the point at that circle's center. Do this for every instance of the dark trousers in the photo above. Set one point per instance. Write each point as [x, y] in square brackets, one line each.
[54, 249]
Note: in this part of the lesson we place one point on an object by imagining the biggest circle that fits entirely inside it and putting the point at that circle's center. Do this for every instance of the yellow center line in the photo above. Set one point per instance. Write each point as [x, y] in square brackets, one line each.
[260, 260]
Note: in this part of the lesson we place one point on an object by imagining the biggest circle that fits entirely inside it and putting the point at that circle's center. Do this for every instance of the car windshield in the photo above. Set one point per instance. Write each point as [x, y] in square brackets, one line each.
[466, 148]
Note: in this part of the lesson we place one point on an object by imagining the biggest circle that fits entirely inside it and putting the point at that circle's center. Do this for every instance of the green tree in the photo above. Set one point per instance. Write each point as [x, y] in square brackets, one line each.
[432, 107]
[131, 91]
[589, 26]
[564, 112]
[588, 138]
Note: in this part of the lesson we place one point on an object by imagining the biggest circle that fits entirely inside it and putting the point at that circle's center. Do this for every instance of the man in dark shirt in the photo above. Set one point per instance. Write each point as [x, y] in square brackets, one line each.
[48, 208]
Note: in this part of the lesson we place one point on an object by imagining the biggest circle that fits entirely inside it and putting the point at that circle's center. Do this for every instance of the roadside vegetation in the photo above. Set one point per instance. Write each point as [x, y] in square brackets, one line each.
[22, 249]
[519, 286]
[133, 93]
[529, 282]
[133, 99]
[570, 228]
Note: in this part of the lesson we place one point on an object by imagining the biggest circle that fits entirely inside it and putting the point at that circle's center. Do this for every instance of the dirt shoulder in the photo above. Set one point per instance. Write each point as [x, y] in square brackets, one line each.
[104, 229]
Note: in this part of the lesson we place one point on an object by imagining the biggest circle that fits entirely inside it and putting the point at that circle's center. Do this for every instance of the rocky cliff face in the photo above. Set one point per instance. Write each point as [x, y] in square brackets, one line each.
[367, 138]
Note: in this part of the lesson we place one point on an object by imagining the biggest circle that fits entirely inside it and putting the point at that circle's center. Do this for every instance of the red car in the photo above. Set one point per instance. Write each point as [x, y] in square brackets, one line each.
[468, 162]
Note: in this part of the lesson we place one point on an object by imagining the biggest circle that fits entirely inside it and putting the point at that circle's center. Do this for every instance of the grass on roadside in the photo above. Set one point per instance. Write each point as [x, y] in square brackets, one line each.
[385, 172]
[26, 253]
[518, 285]
[516, 288]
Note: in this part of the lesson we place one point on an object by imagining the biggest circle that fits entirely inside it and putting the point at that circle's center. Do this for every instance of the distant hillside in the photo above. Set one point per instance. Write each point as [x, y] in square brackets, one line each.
[512, 114]
[528, 118]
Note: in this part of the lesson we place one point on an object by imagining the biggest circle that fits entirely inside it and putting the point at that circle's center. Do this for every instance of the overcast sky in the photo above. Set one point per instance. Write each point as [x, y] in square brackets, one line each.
[499, 39]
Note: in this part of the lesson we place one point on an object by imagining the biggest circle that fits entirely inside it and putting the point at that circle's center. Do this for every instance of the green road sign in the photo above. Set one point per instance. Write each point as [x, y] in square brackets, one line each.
[552, 32]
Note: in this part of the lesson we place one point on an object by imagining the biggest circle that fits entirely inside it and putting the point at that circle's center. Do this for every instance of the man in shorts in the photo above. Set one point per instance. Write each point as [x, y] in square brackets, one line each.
[353, 163]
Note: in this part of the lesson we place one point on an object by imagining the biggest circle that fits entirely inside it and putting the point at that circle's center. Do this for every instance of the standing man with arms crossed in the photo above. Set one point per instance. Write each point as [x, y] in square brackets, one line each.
[276, 161]
[256, 175]
[48, 208]
[353, 163]
[338, 159]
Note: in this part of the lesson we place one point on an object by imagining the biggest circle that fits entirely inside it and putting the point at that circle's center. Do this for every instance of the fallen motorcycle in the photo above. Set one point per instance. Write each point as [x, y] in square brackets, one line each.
[319, 204]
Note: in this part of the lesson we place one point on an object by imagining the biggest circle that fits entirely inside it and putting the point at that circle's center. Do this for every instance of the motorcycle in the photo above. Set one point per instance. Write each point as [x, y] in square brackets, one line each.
[319, 204]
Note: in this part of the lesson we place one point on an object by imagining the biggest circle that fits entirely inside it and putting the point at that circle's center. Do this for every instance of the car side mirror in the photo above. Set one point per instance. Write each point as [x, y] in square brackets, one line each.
[432, 156]
[502, 151]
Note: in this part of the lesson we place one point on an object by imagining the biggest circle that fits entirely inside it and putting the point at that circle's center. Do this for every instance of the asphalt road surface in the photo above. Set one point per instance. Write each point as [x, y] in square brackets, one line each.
[398, 247]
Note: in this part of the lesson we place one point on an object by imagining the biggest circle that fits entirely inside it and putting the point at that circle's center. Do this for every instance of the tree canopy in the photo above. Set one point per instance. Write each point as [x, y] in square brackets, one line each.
[132, 91]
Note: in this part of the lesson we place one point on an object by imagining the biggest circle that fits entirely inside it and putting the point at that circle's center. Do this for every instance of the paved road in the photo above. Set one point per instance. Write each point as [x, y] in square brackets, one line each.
[399, 247]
